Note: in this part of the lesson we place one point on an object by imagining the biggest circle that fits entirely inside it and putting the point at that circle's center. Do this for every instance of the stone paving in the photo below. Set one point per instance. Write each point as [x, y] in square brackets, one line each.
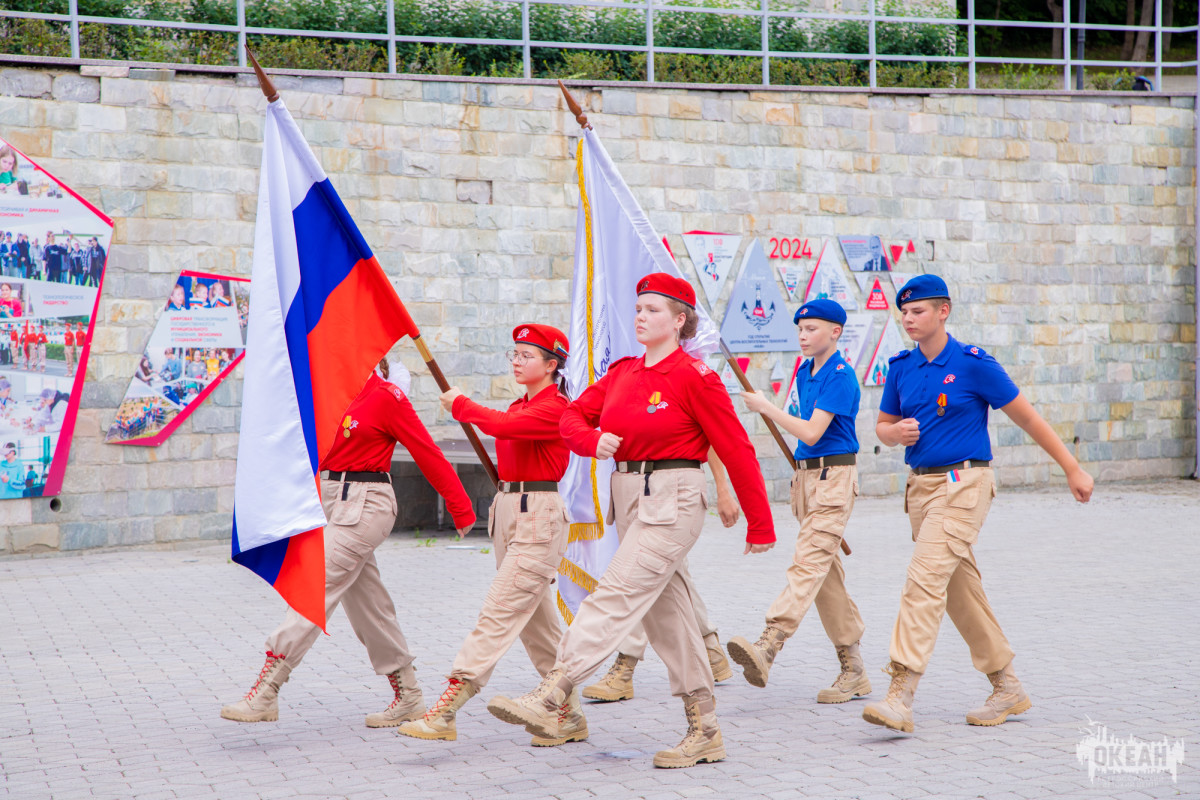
[114, 666]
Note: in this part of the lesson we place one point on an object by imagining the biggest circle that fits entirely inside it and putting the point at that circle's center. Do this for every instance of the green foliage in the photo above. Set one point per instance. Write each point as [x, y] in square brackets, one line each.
[501, 19]
[1121, 80]
[921, 75]
[328, 54]
[1013, 76]
[436, 60]
[34, 37]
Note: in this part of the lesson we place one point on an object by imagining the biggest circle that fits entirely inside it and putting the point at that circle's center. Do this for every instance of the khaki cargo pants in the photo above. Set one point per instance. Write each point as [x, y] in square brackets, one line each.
[635, 643]
[946, 516]
[658, 519]
[357, 525]
[529, 546]
[822, 500]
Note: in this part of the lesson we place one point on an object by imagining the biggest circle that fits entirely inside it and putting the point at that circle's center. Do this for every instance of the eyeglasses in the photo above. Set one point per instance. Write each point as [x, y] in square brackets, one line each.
[518, 356]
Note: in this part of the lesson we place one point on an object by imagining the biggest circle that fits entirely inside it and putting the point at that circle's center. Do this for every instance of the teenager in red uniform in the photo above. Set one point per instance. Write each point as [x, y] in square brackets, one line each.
[69, 349]
[656, 415]
[356, 492]
[42, 340]
[28, 343]
[528, 525]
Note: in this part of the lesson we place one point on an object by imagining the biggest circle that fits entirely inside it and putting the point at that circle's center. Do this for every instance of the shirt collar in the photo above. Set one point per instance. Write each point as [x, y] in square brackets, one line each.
[941, 358]
[668, 363]
[540, 396]
[830, 365]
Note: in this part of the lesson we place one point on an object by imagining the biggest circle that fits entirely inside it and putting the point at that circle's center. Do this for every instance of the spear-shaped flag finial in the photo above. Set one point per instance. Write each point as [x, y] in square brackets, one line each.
[576, 109]
[268, 88]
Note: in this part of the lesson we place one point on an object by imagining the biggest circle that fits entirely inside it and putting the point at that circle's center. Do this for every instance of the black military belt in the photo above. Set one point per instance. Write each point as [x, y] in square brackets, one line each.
[512, 487]
[843, 460]
[646, 467]
[357, 477]
[949, 467]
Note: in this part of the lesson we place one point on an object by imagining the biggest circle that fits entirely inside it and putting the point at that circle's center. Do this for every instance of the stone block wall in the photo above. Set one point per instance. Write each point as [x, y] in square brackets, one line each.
[1063, 224]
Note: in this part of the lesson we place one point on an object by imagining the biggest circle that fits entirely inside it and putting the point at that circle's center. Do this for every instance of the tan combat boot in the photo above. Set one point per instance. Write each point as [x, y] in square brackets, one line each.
[895, 711]
[409, 702]
[536, 710]
[756, 659]
[716, 658]
[1008, 697]
[438, 721]
[261, 703]
[702, 742]
[852, 682]
[572, 724]
[617, 684]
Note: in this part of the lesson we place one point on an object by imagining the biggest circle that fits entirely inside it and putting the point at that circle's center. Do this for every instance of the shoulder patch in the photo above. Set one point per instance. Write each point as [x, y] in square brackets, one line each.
[621, 361]
[974, 350]
[394, 390]
[701, 367]
[898, 356]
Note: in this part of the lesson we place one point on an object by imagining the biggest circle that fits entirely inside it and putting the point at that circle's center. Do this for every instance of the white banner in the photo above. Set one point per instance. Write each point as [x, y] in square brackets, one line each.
[615, 247]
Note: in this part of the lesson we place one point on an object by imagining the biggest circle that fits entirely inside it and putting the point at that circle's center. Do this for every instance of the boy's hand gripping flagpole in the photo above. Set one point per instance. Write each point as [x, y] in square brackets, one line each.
[582, 119]
[268, 89]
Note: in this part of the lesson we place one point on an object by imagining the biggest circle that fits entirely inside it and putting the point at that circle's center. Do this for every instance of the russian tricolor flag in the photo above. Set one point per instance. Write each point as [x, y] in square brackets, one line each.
[322, 313]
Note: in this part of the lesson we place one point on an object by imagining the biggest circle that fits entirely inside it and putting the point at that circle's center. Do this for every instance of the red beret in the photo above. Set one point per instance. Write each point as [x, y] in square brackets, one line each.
[668, 286]
[547, 337]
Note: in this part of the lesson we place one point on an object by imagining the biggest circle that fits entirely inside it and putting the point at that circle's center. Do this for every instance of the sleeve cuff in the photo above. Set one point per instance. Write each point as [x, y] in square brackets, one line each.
[760, 537]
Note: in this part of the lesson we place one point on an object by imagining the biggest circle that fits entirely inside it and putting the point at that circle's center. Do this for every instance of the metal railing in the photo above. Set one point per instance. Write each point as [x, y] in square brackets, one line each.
[649, 8]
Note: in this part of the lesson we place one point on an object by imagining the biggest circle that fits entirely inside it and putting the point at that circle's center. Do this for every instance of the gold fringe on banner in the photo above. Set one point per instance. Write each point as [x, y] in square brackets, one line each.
[565, 612]
[591, 268]
[577, 575]
[585, 531]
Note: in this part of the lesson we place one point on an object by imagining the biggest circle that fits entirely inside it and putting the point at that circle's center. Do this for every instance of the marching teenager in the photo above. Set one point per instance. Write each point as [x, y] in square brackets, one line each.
[935, 403]
[823, 490]
[357, 496]
[617, 683]
[528, 526]
[656, 415]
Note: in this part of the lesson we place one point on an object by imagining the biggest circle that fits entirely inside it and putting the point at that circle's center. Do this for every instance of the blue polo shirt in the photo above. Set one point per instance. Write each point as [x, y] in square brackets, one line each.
[970, 379]
[834, 389]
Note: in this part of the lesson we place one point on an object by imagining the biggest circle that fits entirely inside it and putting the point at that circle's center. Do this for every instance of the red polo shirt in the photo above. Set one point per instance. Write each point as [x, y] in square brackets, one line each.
[381, 416]
[692, 410]
[529, 446]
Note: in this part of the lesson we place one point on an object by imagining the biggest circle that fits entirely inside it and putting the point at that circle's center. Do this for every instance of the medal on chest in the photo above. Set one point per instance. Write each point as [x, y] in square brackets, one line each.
[656, 403]
[941, 401]
[348, 425]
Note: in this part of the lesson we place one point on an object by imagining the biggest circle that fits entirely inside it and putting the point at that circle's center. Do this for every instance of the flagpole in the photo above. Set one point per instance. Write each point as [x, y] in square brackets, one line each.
[269, 91]
[779, 440]
[444, 385]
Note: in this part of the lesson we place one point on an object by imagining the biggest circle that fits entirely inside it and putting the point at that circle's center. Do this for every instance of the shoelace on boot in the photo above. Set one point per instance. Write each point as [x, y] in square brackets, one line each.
[997, 686]
[262, 675]
[397, 688]
[899, 678]
[453, 687]
[843, 679]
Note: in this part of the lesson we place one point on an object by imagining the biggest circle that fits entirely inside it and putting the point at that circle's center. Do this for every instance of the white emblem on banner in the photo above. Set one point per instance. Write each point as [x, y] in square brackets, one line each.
[829, 282]
[756, 319]
[712, 255]
[889, 344]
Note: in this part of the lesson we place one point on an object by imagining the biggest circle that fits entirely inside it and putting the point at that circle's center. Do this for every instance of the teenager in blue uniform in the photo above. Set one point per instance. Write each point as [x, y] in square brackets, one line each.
[823, 490]
[935, 403]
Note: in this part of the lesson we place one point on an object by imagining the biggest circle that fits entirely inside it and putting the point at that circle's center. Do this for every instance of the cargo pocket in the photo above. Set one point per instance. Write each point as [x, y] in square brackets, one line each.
[530, 577]
[349, 548]
[537, 528]
[347, 512]
[960, 535]
[661, 505]
[492, 516]
[833, 492]
[797, 495]
[963, 493]
[653, 560]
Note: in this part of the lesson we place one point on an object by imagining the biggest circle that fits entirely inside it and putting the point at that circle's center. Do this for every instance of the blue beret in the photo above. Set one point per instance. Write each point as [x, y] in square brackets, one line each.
[921, 287]
[821, 309]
